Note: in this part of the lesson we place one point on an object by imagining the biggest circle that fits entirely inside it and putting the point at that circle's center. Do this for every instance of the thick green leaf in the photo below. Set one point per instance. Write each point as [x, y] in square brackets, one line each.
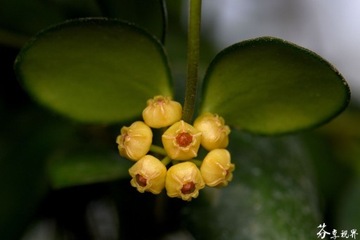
[272, 194]
[88, 167]
[270, 86]
[94, 70]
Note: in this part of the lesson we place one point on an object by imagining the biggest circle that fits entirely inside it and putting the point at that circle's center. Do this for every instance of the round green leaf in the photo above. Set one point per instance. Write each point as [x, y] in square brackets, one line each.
[94, 69]
[270, 86]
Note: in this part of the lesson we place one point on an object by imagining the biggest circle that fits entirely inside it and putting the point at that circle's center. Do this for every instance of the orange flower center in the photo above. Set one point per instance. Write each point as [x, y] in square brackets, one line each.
[184, 139]
[141, 180]
[188, 188]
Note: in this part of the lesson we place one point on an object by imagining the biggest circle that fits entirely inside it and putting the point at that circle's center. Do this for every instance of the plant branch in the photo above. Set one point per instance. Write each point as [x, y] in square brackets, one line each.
[193, 59]
[164, 20]
[158, 150]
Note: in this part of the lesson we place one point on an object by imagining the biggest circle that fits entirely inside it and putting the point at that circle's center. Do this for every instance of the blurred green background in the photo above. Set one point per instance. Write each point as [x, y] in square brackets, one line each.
[284, 187]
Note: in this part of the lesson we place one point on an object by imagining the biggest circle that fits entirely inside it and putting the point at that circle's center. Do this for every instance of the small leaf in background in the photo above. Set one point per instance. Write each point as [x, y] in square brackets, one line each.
[73, 169]
[272, 194]
[14, 19]
[149, 15]
[26, 140]
[16, 29]
[92, 69]
[270, 86]
[348, 209]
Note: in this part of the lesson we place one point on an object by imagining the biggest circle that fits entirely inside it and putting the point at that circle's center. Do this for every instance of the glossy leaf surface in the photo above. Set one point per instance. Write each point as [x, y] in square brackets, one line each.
[270, 86]
[94, 70]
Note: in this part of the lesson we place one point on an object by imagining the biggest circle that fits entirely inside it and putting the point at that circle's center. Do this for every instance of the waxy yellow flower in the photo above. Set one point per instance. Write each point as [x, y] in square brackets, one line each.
[216, 168]
[215, 134]
[161, 112]
[148, 174]
[181, 141]
[183, 180]
[134, 142]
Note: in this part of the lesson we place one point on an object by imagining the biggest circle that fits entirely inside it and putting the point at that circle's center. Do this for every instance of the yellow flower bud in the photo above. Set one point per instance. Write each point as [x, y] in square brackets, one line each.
[184, 181]
[161, 112]
[148, 174]
[181, 141]
[215, 134]
[216, 168]
[134, 142]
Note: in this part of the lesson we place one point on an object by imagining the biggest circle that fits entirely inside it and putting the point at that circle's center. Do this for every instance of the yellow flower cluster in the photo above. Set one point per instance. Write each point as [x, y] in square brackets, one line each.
[180, 146]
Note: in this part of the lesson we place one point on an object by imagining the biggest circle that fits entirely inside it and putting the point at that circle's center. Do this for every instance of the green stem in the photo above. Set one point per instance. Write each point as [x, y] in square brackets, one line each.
[197, 162]
[158, 150]
[166, 160]
[164, 20]
[193, 59]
